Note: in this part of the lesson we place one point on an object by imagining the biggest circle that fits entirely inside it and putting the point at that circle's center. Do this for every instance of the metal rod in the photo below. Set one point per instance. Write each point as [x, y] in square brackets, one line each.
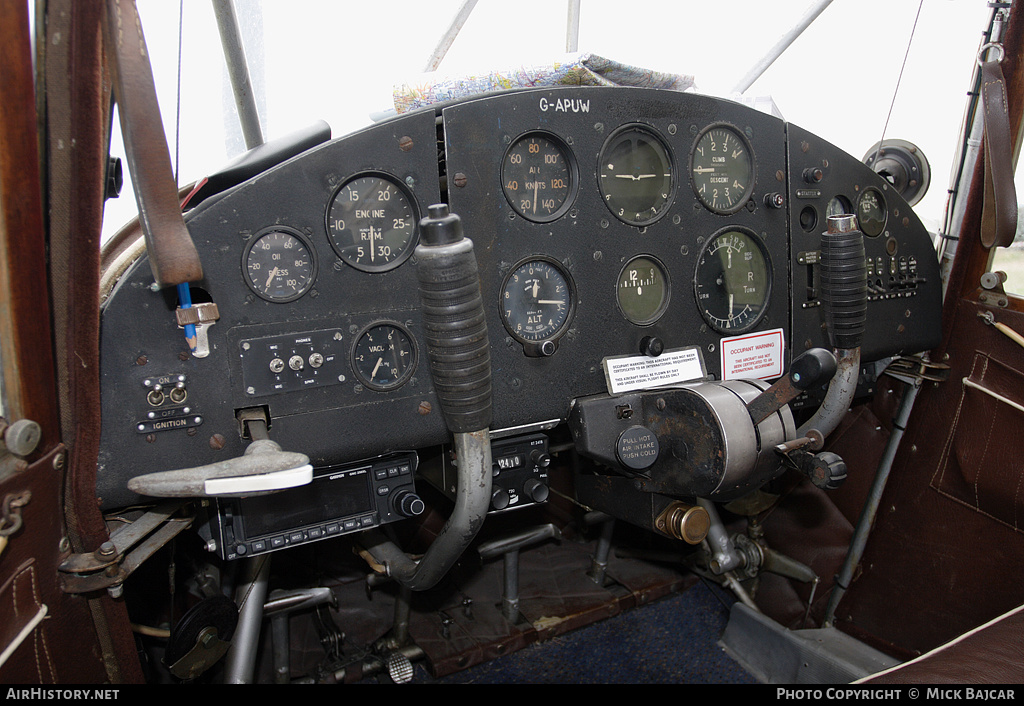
[472, 500]
[867, 517]
[249, 596]
[238, 72]
[781, 46]
[572, 27]
[449, 36]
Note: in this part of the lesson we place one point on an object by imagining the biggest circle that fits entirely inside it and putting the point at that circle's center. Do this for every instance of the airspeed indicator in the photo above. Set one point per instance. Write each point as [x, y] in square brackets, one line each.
[538, 177]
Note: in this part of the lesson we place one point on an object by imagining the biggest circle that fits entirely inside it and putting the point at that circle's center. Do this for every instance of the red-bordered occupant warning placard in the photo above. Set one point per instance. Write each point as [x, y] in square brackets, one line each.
[754, 356]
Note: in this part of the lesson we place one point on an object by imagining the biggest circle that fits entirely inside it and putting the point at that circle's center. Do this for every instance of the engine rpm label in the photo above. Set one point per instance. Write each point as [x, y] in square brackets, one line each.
[755, 356]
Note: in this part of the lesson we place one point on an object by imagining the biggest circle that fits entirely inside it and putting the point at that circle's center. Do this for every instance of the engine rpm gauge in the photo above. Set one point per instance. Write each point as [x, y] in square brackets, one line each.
[537, 300]
[722, 169]
[278, 265]
[538, 177]
[635, 175]
[642, 290]
[371, 223]
[384, 356]
[733, 280]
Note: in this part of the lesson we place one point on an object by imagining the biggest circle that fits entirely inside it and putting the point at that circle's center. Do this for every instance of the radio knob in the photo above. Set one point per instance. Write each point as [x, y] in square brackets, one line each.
[535, 490]
[408, 504]
[500, 498]
[541, 458]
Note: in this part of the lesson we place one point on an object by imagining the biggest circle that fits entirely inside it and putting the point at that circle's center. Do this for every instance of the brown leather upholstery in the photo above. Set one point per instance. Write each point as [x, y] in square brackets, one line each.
[991, 654]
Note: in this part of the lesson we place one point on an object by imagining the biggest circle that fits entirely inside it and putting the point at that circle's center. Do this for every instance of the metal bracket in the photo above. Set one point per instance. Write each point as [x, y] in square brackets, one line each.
[128, 547]
[202, 315]
[915, 370]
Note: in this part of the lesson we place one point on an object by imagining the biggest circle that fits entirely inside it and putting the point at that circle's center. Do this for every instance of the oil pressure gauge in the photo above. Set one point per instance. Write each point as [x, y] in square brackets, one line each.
[733, 281]
[278, 265]
[537, 301]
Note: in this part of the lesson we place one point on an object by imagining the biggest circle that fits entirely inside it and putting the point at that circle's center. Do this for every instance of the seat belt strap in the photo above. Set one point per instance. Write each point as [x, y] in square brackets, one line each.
[999, 213]
[172, 254]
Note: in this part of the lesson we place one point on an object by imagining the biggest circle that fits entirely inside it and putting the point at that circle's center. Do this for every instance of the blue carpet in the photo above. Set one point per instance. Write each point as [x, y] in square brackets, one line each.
[671, 641]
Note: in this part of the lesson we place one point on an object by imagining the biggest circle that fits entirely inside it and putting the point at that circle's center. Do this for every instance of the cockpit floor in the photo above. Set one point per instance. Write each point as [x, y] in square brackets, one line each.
[650, 621]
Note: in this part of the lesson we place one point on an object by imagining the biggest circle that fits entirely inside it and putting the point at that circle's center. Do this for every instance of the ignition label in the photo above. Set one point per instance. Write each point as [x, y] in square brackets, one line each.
[755, 356]
[639, 372]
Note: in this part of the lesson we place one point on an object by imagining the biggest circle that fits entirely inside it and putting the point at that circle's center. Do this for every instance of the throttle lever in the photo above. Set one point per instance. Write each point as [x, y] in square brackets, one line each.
[813, 367]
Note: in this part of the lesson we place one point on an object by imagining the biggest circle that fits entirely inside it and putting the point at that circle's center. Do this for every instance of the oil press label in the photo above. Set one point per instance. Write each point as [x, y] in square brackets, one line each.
[755, 356]
[639, 372]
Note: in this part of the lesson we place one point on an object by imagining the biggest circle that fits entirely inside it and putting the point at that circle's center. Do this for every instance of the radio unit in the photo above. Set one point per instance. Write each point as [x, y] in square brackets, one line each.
[519, 468]
[339, 500]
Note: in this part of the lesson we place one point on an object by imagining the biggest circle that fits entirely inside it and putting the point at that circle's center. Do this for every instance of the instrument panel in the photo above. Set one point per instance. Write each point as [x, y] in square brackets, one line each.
[607, 223]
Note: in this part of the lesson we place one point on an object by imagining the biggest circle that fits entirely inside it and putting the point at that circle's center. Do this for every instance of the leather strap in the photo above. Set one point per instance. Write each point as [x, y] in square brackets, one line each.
[999, 213]
[172, 255]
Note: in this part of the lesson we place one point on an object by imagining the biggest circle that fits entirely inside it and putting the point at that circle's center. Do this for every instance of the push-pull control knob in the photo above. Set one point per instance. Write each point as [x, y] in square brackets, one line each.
[408, 503]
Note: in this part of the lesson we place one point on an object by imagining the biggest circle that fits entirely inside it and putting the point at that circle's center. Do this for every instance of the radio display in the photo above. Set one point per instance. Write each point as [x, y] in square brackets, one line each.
[331, 495]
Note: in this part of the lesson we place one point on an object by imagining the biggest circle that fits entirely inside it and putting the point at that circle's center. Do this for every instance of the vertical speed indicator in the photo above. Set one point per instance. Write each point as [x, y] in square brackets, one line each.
[722, 169]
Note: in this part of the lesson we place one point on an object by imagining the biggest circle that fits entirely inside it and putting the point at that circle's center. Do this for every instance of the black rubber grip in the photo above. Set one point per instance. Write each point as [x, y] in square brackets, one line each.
[844, 287]
[454, 322]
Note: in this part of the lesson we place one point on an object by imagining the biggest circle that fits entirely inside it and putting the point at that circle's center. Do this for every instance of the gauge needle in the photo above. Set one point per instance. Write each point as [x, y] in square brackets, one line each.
[380, 362]
[536, 186]
[550, 301]
[273, 274]
[702, 170]
[536, 288]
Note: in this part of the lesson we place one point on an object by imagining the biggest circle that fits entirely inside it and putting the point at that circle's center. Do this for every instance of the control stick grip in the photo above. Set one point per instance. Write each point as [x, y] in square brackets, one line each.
[454, 321]
[844, 283]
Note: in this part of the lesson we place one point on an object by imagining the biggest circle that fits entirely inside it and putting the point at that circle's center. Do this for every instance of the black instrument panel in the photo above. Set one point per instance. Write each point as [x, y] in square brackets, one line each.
[603, 219]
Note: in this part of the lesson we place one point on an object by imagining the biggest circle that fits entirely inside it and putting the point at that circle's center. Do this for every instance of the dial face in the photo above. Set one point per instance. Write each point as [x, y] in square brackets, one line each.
[279, 265]
[636, 176]
[538, 177]
[536, 301]
[384, 356]
[733, 281]
[871, 212]
[642, 290]
[722, 169]
[838, 206]
[371, 223]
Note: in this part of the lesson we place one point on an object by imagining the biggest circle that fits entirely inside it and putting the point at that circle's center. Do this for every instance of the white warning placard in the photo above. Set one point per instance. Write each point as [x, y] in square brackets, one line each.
[639, 372]
[755, 356]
